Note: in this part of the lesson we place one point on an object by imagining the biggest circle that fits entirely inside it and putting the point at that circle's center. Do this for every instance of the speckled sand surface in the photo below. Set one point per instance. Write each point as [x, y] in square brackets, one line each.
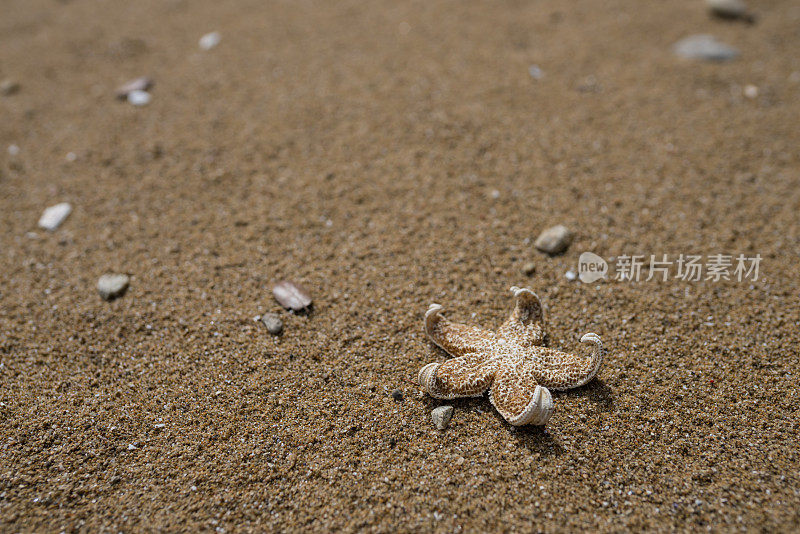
[388, 155]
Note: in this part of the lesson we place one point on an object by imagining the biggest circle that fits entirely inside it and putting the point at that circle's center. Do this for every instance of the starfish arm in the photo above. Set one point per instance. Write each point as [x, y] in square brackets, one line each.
[457, 377]
[562, 370]
[525, 325]
[518, 398]
[458, 339]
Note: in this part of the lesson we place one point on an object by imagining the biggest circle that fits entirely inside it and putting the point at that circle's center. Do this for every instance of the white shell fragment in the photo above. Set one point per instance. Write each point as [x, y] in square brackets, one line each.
[53, 216]
[441, 416]
[705, 47]
[291, 295]
[111, 286]
[210, 40]
[139, 98]
[142, 83]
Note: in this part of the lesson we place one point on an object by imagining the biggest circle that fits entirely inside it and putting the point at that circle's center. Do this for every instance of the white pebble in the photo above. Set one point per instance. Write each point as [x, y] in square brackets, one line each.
[13, 150]
[71, 156]
[53, 216]
[535, 72]
[111, 286]
[210, 40]
[139, 98]
[751, 91]
[571, 276]
[704, 47]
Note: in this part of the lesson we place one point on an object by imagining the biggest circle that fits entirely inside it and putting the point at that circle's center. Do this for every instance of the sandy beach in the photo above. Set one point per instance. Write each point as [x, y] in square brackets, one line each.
[387, 156]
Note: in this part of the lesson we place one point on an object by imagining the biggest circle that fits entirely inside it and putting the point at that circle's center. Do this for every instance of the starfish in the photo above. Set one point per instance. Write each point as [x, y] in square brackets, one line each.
[511, 363]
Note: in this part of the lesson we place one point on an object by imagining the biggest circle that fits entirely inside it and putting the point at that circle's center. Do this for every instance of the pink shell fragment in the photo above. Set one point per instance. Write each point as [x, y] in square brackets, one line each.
[291, 296]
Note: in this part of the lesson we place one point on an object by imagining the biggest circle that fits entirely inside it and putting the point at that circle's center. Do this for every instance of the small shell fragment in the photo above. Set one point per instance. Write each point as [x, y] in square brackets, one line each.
[142, 83]
[291, 296]
[53, 216]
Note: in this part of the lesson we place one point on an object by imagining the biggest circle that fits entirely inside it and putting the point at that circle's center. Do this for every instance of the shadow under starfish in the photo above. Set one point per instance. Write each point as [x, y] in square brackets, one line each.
[511, 363]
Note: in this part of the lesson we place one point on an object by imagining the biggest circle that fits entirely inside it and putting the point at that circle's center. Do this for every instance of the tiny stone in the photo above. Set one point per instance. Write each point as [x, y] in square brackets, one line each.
[142, 83]
[535, 72]
[53, 216]
[71, 156]
[111, 286]
[131, 447]
[139, 98]
[554, 240]
[704, 47]
[529, 269]
[441, 416]
[571, 276]
[210, 40]
[397, 395]
[8, 87]
[273, 323]
[13, 150]
[728, 9]
[750, 91]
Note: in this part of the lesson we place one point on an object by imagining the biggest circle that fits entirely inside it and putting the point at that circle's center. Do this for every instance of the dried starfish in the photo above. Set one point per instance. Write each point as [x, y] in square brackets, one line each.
[511, 363]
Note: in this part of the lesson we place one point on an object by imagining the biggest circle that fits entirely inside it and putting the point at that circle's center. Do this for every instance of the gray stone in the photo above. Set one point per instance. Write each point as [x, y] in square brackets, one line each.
[705, 47]
[53, 216]
[554, 240]
[273, 323]
[441, 416]
[397, 395]
[8, 87]
[728, 9]
[111, 286]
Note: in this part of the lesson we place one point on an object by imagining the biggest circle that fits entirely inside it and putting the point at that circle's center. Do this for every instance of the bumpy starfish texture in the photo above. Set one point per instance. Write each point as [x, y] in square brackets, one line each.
[511, 363]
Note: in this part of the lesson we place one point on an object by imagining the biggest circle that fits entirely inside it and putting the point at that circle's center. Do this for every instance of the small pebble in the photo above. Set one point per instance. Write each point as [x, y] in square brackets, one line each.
[8, 87]
[273, 323]
[132, 447]
[441, 416]
[750, 91]
[570, 276]
[139, 98]
[729, 9]
[13, 150]
[397, 395]
[554, 240]
[111, 286]
[291, 296]
[53, 216]
[210, 40]
[705, 47]
[535, 72]
[142, 83]
[71, 156]
[529, 269]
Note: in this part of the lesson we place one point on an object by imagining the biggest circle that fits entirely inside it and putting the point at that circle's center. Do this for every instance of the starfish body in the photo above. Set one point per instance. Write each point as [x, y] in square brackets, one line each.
[511, 363]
